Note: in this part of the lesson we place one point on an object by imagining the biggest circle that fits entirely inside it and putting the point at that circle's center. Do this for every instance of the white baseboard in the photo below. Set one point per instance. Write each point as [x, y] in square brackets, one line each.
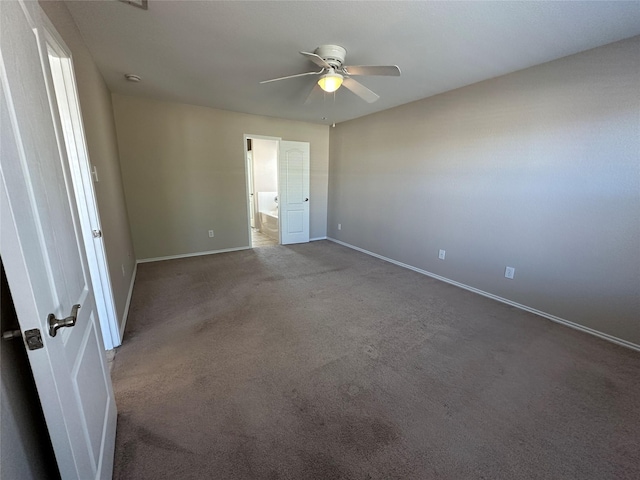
[317, 238]
[197, 254]
[548, 316]
[125, 315]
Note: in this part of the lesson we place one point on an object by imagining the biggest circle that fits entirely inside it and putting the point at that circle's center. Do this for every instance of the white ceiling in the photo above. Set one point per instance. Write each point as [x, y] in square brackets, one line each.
[214, 53]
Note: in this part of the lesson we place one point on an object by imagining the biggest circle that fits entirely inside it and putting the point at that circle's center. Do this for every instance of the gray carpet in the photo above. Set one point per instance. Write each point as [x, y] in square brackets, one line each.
[318, 362]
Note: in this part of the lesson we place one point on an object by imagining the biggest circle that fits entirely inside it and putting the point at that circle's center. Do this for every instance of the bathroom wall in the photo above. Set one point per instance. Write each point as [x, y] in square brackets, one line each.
[265, 165]
[538, 170]
[267, 201]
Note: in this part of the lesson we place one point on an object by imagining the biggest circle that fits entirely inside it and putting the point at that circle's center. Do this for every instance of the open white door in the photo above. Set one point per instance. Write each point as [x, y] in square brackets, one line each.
[65, 99]
[44, 256]
[294, 192]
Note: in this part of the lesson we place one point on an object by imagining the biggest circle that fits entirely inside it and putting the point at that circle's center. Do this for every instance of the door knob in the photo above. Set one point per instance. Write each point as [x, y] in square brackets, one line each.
[70, 321]
[306, 199]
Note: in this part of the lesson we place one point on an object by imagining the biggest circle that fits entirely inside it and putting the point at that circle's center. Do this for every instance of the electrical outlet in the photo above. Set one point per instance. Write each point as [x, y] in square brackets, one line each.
[509, 272]
[441, 254]
[210, 233]
[339, 226]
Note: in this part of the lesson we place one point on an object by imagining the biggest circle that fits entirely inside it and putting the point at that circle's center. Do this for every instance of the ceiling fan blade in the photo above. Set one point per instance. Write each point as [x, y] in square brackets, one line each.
[388, 70]
[315, 93]
[292, 76]
[360, 90]
[317, 59]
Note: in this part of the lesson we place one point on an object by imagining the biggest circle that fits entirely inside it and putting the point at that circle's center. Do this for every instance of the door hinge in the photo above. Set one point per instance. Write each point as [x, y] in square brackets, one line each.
[33, 339]
[96, 233]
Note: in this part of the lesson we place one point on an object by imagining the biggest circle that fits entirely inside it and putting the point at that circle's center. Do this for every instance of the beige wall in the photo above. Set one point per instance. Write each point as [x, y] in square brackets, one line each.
[184, 173]
[97, 114]
[539, 170]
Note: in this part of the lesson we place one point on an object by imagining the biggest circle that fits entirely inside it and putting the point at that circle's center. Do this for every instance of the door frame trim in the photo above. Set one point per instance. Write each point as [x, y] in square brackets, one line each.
[246, 137]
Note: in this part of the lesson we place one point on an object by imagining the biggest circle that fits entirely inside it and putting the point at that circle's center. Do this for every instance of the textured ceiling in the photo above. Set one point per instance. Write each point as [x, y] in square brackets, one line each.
[214, 53]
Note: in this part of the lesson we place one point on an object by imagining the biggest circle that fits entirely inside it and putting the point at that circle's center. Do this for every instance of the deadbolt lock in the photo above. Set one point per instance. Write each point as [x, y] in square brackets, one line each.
[33, 339]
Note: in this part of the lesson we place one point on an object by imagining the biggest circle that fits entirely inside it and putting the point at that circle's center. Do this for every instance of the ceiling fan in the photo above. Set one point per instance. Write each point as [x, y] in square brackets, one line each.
[334, 74]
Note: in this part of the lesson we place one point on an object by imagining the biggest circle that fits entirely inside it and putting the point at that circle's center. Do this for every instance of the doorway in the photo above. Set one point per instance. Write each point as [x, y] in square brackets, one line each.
[262, 179]
[278, 190]
[44, 256]
[64, 99]
[26, 445]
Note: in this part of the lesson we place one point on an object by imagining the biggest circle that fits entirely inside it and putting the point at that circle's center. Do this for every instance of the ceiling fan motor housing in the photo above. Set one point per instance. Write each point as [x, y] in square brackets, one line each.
[332, 54]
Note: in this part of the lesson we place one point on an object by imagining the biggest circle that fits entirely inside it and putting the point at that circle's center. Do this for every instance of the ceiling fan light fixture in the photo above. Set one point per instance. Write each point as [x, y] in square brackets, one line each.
[330, 82]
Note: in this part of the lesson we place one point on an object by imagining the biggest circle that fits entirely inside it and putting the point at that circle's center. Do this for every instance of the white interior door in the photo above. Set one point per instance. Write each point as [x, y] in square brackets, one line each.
[44, 256]
[294, 192]
[66, 101]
